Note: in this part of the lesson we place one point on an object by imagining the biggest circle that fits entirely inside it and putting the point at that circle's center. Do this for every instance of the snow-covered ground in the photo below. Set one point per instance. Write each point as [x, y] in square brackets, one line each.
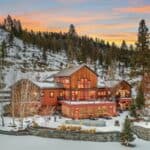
[46, 121]
[38, 143]
[143, 124]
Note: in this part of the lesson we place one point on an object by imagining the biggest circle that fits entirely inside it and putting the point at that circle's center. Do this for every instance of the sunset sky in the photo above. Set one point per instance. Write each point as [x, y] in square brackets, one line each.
[111, 20]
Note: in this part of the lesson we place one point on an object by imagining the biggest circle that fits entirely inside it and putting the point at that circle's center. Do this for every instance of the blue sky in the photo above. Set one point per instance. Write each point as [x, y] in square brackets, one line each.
[112, 20]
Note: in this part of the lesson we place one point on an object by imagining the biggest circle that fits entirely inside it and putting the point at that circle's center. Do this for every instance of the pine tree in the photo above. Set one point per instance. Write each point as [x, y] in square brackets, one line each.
[126, 134]
[72, 31]
[133, 110]
[124, 53]
[140, 98]
[44, 55]
[3, 49]
[10, 39]
[143, 46]
[2, 62]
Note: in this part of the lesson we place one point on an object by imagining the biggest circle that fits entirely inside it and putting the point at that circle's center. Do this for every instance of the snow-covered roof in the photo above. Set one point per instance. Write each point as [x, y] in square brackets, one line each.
[101, 84]
[87, 102]
[48, 84]
[111, 83]
[49, 79]
[70, 71]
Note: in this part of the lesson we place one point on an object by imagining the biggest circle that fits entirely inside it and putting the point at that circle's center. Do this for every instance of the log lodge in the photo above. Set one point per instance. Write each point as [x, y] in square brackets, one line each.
[74, 92]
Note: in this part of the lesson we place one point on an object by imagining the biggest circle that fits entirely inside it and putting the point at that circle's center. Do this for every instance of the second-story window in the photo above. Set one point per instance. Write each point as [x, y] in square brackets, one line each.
[84, 83]
[51, 94]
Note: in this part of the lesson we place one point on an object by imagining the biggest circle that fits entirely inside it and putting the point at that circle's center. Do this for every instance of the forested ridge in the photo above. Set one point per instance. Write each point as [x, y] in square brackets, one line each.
[85, 49]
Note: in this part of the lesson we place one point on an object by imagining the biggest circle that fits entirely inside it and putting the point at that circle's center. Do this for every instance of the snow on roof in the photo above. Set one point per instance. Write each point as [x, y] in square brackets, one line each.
[87, 102]
[12, 76]
[111, 83]
[144, 124]
[101, 84]
[51, 79]
[48, 84]
[70, 71]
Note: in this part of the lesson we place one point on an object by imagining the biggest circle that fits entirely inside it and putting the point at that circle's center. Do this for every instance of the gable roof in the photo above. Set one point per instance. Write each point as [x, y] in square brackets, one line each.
[69, 71]
[116, 86]
[41, 84]
[123, 81]
[48, 85]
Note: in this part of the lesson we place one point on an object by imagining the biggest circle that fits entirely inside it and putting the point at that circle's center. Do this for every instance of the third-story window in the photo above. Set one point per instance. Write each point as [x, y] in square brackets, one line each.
[51, 94]
[67, 81]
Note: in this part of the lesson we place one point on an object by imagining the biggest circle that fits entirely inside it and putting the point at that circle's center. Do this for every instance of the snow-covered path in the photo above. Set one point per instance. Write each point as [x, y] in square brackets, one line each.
[37, 143]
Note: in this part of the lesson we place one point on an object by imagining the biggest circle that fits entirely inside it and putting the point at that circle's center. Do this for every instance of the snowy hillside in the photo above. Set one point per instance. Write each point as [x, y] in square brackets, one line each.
[25, 61]
[18, 54]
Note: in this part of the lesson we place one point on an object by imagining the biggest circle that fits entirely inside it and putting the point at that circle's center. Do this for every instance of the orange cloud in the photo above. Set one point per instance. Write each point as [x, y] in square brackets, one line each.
[53, 22]
[142, 9]
[66, 16]
[129, 37]
[105, 27]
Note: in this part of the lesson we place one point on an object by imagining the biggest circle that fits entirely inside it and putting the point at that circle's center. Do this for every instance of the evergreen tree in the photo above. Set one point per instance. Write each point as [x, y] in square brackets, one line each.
[76, 47]
[70, 52]
[140, 98]
[3, 49]
[126, 135]
[44, 55]
[124, 53]
[10, 39]
[72, 31]
[8, 23]
[143, 46]
[2, 56]
[133, 110]
[24, 46]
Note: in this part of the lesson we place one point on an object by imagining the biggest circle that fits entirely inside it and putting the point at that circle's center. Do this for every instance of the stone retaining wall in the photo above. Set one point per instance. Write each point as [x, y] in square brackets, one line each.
[143, 133]
[52, 133]
[19, 133]
[98, 137]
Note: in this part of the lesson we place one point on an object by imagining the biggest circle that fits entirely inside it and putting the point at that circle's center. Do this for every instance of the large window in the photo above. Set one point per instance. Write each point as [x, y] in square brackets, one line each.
[84, 83]
[123, 93]
[102, 93]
